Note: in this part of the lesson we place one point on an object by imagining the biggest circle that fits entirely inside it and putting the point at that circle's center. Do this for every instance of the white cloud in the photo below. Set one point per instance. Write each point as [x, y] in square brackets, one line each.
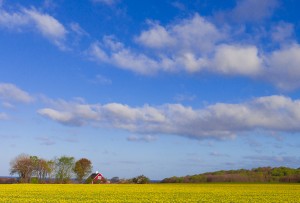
[122, 57]
[63, 117]
[47, 25]
[11, 93]
[125, 117]
[196, 45]
[196, 34]
[191, 45]
[72, 113]
[228, 59]
[239, 60]
[97, 53]
[193, 34]
[127, 59]
[51, 28]
[221, 120]
[156, 37]
[181, 46]
[284, 67]
[13, 20]
[136, 62]
[191, 63]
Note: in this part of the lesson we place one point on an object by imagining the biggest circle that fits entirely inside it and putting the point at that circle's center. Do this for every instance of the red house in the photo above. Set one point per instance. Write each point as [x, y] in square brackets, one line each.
[96, 177]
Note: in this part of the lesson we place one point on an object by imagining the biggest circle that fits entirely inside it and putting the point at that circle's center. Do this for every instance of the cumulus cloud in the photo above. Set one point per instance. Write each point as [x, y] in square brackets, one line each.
[47, 25]
[11, 93]
[195, 45]
[156, 37]
[181, 46]
[71, 113]
[192, 34]
[283, 67]
[221, 120]
[191, 45]
[233, 59]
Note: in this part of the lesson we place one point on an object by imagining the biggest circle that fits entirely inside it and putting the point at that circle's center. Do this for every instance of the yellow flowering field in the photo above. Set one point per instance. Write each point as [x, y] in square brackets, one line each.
[151, 193]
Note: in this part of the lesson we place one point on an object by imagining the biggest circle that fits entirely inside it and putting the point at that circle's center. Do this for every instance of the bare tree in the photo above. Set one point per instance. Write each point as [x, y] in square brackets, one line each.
[22, 165]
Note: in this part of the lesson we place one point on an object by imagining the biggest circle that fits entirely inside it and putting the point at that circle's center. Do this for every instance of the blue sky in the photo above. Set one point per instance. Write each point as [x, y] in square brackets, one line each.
[159, 88]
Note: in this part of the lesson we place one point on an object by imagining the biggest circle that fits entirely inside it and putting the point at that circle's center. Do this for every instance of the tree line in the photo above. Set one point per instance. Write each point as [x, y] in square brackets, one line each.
[256, 175]
[34, 169]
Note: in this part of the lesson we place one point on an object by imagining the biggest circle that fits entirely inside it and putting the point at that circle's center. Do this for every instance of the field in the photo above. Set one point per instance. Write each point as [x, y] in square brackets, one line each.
[151, 193]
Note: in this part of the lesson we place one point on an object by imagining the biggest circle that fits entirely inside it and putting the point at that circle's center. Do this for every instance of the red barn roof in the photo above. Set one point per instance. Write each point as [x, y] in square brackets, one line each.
[96, 176]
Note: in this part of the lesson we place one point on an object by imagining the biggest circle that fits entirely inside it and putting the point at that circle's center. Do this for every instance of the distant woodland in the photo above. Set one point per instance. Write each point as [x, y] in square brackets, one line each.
[256, 175]
[64, 169]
